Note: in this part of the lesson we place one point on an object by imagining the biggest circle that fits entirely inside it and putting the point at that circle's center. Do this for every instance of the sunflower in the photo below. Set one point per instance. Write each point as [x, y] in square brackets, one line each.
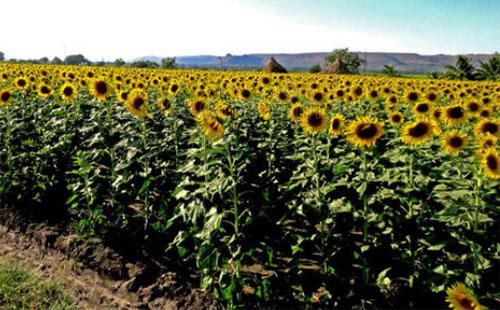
[210, 125]
[197, 106]
[412, 96]
[460, 298]
[137, 103]
[313, 120]
[488, 126]
[422, 108]
[165, 105]
[100, 89]
[453, 115]
[431, 97]
[491, 163]
[282, 95]
[123, 95]
[67, 92]
[396, 118]
[391, 103]
[337, 124]
[484, 143]
[417, 132]
[44, 90]
[245, 94]
[357, 92]
[485, 113]
[173, 88]
[473, 107]
[6, 97]
[295, 112]
[364, 131]
[317, 96]
[264, 110]
[453, 141]
[21, 83]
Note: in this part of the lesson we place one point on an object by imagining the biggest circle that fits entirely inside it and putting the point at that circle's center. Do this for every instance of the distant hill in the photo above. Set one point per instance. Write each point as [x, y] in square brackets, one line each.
[402, 62]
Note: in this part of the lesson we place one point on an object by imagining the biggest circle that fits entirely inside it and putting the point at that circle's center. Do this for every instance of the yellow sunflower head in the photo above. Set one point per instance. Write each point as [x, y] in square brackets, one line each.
[197, 106]
[44, 90]
[337, 124]
[313, 120]
[460, 298]
[137, 103]
[454, 114]
[453, 141]
[165, 105]
[100, 89]
[295, 112]
[422, 108]
[412, 96]
[417, 132]
[6, 97]
[396, 118]
[488, 127]
[21, 83]
[210, 125]
[491, 163]
[364, 131]
[67, 92]
[264, 110]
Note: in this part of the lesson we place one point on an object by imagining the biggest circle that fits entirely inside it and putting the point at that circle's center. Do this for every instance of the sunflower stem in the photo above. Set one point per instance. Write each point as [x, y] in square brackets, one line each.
[234, 189]
[475, 255]
[146, 168]
[365, 215]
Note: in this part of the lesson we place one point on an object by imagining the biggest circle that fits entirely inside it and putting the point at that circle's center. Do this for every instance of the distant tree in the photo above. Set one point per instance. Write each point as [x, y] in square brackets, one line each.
[389, 70]
[168, 63]
[78, 59]
[56, 61]
[434, 75]
[144, 64]
[490, 70]
[2, 56]
[101, 63]
[43, 60]
[351, 60]
[463, 70]
[119, 62]
[315, 69]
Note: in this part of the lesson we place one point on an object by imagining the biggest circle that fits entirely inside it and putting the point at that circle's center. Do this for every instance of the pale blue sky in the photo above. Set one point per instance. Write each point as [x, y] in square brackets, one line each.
[108, 29]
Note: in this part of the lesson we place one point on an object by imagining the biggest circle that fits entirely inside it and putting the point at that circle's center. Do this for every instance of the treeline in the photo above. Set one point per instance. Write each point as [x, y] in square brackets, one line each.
[80, 60]
[464, 70]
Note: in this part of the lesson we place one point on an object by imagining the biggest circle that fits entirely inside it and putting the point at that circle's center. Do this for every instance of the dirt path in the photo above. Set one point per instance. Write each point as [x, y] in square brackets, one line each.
[85, 286]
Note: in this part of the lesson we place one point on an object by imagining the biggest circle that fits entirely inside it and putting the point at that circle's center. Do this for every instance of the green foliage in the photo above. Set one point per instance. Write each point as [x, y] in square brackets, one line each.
[168, 63]
[144, 64]
[315, 69]
[76, 60]
[490, 70]
[351, 60]
[463, 70]
[388, 70]
[119, 62]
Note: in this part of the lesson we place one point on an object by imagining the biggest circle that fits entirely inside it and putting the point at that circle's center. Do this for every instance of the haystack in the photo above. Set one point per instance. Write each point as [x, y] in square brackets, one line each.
[337, 67]
[273, 66]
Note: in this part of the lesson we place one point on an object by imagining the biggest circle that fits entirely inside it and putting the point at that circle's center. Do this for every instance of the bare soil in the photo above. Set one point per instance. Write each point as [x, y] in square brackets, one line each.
[95, 276]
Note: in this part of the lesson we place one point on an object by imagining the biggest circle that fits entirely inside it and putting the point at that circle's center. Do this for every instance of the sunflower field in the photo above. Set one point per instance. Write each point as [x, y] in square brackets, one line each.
[279, 190]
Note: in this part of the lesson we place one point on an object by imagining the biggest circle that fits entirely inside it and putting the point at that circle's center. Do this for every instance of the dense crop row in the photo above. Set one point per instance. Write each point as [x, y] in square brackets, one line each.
[280, 189]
